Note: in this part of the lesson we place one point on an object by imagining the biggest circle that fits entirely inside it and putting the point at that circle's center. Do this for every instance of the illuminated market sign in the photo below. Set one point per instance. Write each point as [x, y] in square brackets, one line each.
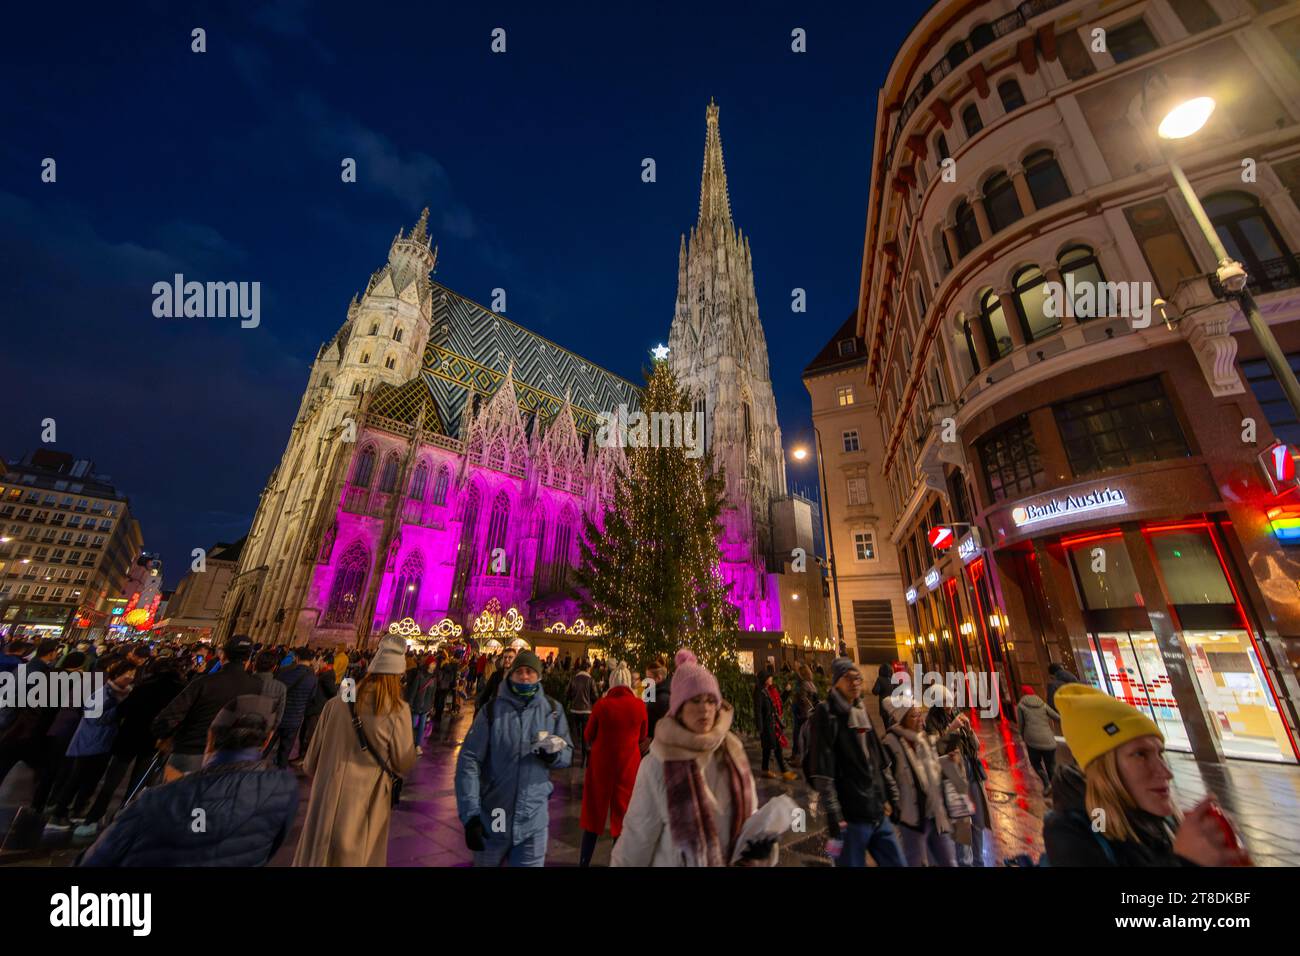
[1096, 500]
[911, 595]
[932, 578]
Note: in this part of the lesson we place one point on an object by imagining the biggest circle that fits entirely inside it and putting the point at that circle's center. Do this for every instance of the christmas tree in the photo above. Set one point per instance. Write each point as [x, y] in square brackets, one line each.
[651, 574]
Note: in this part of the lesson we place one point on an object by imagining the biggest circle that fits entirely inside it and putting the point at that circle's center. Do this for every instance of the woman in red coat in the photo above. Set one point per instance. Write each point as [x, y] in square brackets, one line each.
[615, 732]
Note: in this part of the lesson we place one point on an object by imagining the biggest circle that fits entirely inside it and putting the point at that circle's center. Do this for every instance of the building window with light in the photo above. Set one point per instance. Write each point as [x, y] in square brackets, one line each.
[864, 545]
[1011, 462]
[844, 395]
[850, 440]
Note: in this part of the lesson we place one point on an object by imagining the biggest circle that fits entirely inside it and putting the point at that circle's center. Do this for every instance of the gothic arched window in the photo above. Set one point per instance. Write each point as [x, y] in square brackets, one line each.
[388, 477]
[407, 593]
[397, 334]
[496, 536]
[440, 485]
[349, 585]
[365, 467]
[561, 546]
[420, 481]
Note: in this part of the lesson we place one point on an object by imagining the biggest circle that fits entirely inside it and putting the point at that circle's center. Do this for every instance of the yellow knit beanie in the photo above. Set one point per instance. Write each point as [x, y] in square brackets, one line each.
[1095, 723]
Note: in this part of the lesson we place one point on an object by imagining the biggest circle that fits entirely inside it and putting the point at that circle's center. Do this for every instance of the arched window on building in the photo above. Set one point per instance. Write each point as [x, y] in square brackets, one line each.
[968, 230]
[1000, 201]
[1248, 233]
[420, 481]
[539, 556]
[981, 36]
[970, 119]
[365, 358]
[374, 328]
[994, 324]
[1027, 290]
[390, 362]
[941, 254]
[498, 523]
[397, 334]
[1011, 96]
[561, 547]
[1046, 181]
[388, 476]
[963, 348]
[440, 485]
[1081, 263]
[956, 54]
[921, 305]
[406, 596]
[940, 148]
[365, 467]
[349, 585]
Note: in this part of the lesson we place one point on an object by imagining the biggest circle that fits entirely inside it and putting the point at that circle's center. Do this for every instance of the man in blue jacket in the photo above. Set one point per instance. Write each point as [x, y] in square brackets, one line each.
[234, 811]
[503, 773]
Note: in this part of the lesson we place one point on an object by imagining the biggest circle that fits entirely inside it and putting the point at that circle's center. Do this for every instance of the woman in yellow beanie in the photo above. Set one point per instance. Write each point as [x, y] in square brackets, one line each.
[1116, 808]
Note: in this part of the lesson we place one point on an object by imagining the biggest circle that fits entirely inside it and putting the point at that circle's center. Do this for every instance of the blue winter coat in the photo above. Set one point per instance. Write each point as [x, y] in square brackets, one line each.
[300, 686]
[514, 779]
[248, 811]
[95, 735]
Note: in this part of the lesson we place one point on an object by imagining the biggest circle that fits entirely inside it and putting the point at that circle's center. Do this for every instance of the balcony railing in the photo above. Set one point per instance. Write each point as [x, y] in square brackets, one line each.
[1274, 275]
[354, 500]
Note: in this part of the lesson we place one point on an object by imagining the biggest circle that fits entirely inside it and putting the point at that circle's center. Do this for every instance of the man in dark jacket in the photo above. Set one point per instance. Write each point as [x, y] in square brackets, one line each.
[23, 736]
[489, 689]
[185, 721]
[658, 707]
[1057, 677]
[301, 686]
[233, 811]
[851, 774]
[448, 669]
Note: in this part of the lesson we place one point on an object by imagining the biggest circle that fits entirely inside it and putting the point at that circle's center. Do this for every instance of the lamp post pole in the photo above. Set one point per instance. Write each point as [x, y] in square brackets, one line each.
[1273, 353]
[830, 541]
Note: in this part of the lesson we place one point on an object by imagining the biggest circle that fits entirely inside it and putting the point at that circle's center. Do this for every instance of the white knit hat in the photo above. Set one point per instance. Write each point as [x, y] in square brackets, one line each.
[390, 657]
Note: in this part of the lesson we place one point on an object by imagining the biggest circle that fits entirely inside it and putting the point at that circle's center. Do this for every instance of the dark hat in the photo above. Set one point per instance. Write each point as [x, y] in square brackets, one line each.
[239, 647]
[841, 666]
[254, 712]
[526, 659]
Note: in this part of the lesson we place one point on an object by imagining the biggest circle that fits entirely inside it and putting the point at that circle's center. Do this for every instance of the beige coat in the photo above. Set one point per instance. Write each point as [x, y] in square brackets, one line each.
[351, 798]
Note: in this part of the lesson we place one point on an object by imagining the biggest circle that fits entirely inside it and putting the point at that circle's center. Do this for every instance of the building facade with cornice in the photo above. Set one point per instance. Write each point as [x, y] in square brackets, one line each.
[1099, 458]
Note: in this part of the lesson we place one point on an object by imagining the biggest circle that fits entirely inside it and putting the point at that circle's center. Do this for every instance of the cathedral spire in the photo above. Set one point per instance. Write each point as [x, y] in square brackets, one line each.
[715, 207]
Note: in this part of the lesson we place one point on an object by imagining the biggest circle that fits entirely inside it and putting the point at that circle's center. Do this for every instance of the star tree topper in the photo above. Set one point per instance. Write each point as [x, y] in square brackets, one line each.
[660, 352]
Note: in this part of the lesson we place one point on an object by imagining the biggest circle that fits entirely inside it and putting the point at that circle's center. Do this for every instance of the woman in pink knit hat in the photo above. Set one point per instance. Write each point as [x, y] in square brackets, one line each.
[694, 789]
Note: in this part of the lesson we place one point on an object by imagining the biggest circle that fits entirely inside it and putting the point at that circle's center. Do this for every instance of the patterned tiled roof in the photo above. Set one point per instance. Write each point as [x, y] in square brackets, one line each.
[470, 348]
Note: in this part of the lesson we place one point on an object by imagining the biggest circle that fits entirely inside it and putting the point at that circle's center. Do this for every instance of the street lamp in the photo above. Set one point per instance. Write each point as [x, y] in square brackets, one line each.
[800, 454]
[1181, 117]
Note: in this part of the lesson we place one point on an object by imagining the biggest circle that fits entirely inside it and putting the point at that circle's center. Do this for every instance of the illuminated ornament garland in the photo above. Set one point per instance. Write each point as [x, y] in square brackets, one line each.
[580, 628]
[492, 621]
[446, 629]
[406, 627]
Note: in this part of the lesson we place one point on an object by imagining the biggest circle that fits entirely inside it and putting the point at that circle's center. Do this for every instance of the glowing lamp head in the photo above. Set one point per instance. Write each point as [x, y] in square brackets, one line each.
[800, 454]
[1186, 118]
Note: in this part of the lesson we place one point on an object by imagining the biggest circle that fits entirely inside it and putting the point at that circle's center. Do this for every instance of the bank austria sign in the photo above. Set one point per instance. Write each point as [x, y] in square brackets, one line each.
[1098, 499]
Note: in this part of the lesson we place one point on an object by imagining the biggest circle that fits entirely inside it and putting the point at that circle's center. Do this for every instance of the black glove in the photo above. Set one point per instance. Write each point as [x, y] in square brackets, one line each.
[759, 849]
[546, 758]
[474, 835]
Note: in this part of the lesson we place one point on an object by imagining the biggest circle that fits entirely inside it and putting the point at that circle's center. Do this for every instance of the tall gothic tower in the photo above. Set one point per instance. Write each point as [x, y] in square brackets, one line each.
[719, 353]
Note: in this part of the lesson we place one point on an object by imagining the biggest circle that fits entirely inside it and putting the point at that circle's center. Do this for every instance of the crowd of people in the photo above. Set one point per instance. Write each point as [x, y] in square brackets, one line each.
[199, 751]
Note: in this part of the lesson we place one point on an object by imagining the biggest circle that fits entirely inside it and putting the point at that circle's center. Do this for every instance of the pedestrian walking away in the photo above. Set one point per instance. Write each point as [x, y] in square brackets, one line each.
[617, 733]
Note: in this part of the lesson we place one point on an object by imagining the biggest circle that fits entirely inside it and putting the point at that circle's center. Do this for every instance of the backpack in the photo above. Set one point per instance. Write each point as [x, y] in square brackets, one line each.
[807, 740]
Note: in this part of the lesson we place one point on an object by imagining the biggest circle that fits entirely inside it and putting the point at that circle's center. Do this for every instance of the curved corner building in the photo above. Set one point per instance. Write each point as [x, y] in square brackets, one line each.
[1110, 462]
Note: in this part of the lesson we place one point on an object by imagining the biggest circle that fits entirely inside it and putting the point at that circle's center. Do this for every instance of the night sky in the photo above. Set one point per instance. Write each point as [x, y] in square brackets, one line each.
[225, 166]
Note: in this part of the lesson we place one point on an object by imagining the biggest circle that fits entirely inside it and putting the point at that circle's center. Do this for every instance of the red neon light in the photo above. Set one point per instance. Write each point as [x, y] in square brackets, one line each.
[1241, 613]
[979, 605]
[1085, 538]
[951, 587]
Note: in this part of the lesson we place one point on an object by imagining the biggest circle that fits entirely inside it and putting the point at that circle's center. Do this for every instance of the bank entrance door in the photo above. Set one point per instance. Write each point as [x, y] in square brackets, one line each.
[1130, 667]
